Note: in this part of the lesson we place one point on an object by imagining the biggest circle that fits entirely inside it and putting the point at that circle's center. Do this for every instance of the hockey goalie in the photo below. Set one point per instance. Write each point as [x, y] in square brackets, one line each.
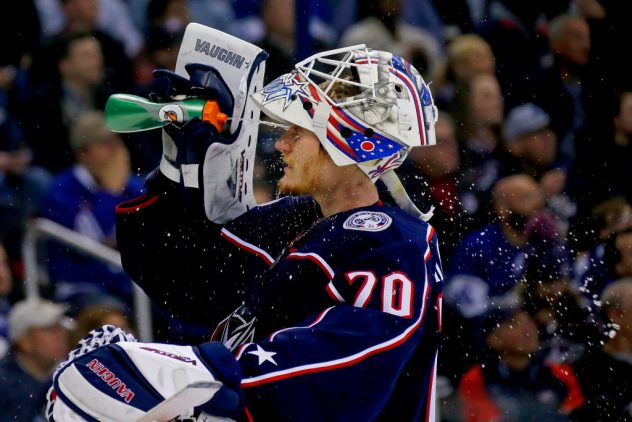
[322, 305]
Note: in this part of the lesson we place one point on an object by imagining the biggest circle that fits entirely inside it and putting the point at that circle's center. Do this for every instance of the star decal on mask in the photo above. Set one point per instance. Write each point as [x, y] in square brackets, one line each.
[263, 355]
[286, 87]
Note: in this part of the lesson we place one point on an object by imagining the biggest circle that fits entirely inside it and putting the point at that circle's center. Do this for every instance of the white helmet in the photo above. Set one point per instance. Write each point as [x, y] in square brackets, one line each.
[390, 111]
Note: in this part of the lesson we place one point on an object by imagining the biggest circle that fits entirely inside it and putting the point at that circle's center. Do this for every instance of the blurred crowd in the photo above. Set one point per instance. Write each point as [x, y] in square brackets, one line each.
[531, 180]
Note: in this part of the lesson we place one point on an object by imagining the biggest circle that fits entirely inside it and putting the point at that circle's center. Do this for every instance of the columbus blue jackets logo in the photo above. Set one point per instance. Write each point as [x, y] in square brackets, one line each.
[368, 221]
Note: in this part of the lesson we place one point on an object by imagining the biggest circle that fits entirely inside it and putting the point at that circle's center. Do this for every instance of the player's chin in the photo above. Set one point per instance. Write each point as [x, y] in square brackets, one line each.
[287, 187]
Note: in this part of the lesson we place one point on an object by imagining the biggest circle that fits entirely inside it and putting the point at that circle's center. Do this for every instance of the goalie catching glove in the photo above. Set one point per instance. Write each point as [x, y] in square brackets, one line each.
[111, 377]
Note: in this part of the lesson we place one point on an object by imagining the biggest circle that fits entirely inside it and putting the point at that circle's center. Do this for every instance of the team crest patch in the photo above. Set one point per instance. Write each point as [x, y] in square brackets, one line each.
[368, 221]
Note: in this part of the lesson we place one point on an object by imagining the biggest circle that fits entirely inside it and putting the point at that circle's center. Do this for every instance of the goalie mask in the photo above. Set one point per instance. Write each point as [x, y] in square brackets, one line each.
[367, 108]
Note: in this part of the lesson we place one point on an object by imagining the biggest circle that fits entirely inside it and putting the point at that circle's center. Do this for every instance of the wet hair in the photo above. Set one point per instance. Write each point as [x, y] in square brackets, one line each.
[339, 90]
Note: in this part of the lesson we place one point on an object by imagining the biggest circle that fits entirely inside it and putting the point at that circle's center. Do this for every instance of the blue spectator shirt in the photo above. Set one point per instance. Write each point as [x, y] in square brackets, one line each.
[484, 266]
[76, 201]
[22, 397]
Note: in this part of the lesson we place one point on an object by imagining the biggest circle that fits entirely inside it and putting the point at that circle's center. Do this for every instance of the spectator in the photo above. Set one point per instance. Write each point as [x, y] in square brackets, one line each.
[83, 199]
[467, 56]
[611, 217]
[605, 373]
[531, 147]
[591, 227]
[488, 264]
[554, 303]
[565, 87]
[383, 29]
[610, 34]
[618, 253]
[83, 16]
[456, 16]
[607, 140]
[161, 52]
[39, 342]
[515, 31]
[478, 110]
[22, 185]
[589, 234]
[114, 17]
[530, 142]
[615, 264]
[431, 178]
[96, 312]
[278, 20]
[513, 384]
[171, 16]
[619, 152]
[216, 14]
[6, 285]
[54, 107]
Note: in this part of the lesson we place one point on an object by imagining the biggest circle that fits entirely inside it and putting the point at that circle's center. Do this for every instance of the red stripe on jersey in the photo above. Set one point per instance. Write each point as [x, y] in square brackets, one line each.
[248, 414]
[333, 293]
[316, 321]
[135, 204]
[343, 362]
[248, 247]
[430, 233]
[240, 350]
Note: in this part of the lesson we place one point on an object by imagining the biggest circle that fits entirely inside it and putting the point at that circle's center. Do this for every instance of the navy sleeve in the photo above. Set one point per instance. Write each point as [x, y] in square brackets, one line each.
[267, 229]
[196, 272]
[175, 255]
[371, 355]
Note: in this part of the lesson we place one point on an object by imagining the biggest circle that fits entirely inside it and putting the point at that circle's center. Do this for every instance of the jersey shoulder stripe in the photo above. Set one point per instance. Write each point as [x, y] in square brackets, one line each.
[246, 246]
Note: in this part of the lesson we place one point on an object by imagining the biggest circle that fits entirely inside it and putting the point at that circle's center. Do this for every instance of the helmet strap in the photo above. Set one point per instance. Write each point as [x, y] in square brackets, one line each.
[397, 191]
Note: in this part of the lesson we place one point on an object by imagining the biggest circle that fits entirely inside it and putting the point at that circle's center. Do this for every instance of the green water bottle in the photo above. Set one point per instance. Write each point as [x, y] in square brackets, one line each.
[126, 113]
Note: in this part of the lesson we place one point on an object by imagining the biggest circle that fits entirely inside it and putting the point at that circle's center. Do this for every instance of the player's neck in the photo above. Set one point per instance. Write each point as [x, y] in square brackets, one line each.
[346, 196]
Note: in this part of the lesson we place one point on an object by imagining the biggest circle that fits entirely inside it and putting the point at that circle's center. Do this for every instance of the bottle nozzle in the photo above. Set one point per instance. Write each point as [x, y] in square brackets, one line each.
[212, 114]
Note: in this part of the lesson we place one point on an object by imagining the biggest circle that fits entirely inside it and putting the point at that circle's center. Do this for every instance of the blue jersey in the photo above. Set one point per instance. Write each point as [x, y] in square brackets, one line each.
[339, 317]
[484, 266]
[79, 203]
